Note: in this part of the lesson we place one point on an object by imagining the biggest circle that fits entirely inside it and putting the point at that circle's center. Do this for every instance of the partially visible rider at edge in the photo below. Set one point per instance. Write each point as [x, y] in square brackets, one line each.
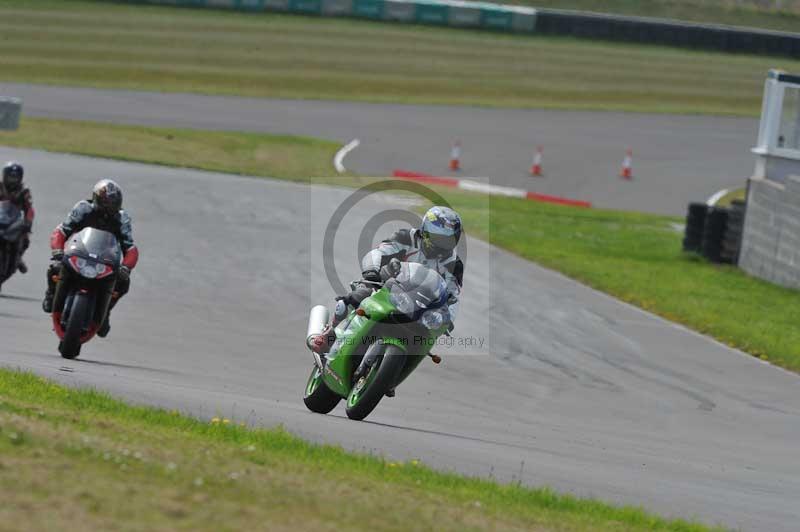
[103, 211]
[432, 245]
[12, 189]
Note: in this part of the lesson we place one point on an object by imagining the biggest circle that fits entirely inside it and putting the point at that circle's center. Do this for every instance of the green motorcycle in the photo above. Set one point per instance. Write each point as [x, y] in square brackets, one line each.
[380, 343]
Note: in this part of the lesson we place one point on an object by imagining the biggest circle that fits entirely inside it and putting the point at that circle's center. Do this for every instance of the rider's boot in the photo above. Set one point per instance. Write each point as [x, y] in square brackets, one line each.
[47, 303]
[102, 332]
[52, 274]
[322, 342]
[21, 266]
[390, 392]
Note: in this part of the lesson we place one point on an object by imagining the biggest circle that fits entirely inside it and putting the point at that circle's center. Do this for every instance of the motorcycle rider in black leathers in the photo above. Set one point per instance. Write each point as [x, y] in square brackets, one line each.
[103, 211]
[13, 190]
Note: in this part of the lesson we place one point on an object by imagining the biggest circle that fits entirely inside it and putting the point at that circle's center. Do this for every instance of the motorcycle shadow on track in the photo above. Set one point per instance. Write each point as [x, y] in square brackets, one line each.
[76, 363]
[441, 433]
[126, 366]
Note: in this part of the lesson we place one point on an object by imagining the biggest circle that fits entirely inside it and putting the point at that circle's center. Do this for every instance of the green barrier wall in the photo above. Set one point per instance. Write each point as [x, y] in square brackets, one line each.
[432, 12]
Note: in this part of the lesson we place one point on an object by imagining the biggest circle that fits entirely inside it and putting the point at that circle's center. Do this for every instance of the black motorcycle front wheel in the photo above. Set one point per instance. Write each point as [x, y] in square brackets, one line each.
[70, 346]
[370, 389]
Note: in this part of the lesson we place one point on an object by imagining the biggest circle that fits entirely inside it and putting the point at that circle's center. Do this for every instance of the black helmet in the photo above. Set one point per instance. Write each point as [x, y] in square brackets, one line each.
[107, 196]
[12, 176]
[440, 231]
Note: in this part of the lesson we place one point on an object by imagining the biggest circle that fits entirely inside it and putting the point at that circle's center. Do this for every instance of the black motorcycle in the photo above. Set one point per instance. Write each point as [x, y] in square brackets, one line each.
[84, 288]
[12, 226]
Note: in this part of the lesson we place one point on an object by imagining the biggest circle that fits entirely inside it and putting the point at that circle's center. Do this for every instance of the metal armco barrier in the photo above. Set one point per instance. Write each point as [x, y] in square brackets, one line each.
[509, 18]
[667, 32]
[10, 111]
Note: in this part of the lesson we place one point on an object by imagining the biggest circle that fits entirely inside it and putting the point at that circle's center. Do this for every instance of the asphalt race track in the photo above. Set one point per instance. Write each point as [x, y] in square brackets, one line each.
[572, 389]
[677, 159]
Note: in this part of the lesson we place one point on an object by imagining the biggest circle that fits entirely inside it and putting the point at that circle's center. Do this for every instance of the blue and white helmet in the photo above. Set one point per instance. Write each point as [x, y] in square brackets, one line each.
[440, 231]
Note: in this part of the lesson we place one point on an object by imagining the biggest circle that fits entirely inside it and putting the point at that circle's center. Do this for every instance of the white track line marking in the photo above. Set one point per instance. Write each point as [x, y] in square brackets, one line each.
[343, 151]
[475, 186]
[716, 197]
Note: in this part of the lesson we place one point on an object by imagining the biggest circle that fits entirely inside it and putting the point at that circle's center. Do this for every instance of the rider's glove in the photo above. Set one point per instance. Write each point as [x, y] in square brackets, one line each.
[390, 270]
[347, 299]
[372, 276]
[124, 274]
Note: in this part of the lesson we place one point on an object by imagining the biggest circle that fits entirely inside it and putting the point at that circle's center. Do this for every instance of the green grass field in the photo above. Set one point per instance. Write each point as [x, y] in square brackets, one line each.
[635, 257]
[72, 42]
[279, 156]
[79, 460]
[781, 15]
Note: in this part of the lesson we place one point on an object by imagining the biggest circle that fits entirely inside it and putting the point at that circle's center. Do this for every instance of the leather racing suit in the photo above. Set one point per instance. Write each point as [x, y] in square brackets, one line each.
[24, 202]
[406, 246]
[85, 214]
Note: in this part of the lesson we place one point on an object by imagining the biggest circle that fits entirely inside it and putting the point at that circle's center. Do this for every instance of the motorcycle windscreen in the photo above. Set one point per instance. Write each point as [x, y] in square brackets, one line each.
[10, 220]
[425, 286]
[95, 244]
[9, 213]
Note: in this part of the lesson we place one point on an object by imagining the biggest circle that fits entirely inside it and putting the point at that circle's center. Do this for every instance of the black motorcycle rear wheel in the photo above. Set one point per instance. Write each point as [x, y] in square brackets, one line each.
[366, 395]
[318, 397]
[70, 346]
[3, 265]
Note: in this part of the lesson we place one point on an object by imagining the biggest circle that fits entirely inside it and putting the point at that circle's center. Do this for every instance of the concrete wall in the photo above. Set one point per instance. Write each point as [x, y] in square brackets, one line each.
[10, 111]
[771, 239]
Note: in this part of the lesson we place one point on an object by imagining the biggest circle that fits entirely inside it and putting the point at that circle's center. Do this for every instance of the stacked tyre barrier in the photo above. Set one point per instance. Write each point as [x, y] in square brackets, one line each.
[508, 18]
[715, 232]
[695, 224]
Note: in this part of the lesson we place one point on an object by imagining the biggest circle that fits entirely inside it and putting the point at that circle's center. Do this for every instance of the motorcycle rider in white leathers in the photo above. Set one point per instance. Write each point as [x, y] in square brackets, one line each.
[432, 245]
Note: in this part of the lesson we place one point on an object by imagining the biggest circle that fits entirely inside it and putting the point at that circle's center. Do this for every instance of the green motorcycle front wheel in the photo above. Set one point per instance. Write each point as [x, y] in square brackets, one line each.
[317, 396]
[371, 388]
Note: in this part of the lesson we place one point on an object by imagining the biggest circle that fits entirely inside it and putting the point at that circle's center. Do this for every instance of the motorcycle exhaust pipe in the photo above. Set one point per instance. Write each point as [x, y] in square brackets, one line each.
[317, 320]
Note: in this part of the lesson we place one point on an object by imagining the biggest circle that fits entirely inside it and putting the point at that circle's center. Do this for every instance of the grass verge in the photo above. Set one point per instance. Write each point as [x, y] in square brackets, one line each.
[79, 456]
[279, 156]
[637, 258]
[732, 195]
[106, 45]
[633, 256]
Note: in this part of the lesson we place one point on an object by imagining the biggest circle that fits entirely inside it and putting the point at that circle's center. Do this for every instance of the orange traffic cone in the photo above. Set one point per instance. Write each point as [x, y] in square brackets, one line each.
[627, 165]
[536, 167]
[455, 157]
